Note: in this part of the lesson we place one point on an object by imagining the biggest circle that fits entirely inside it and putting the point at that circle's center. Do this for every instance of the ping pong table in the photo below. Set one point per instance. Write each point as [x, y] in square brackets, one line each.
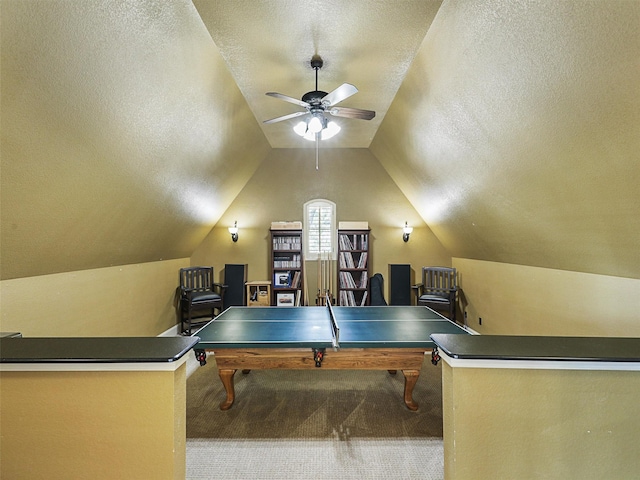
[361, 338]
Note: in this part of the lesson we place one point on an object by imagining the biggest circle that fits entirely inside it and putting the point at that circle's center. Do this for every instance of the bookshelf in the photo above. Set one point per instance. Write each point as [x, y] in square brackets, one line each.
[353, 267]
[286, 266]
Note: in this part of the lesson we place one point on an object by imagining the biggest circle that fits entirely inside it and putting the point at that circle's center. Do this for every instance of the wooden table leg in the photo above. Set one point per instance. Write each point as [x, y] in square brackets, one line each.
[227, 380]
[410, 379]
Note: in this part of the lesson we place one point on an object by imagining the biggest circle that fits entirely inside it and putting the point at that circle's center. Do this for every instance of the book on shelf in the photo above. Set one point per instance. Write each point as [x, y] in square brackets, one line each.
[346, 260]
[298, 295]
[347, 298]
[362, 262]
[345, 242]
[285, 299]
[346, 280]
[364, 279]
[344, 301]
[287, 243]
[295, 281]
[363, 302]
[287, 261]
[281, 279]
[354, 241]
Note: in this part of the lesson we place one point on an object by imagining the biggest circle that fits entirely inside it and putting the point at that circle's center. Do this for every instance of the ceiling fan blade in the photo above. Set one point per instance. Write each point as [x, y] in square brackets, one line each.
[288, 99]
[339, 94]
[352, 113]
[285, 117]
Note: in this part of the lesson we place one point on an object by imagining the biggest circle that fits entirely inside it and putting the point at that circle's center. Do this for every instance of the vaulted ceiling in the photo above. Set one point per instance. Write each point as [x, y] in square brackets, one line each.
[512, 127]
[268, 47]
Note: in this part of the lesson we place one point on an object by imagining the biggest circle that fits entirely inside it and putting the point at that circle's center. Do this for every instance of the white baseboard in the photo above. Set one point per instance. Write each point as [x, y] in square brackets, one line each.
[469, 329]
[172, 332]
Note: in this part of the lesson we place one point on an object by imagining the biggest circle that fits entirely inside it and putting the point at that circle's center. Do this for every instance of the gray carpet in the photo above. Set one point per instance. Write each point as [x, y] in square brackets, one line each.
[314, 423]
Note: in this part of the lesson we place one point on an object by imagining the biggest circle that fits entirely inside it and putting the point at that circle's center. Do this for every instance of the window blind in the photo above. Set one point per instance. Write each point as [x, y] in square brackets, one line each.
[320, 227]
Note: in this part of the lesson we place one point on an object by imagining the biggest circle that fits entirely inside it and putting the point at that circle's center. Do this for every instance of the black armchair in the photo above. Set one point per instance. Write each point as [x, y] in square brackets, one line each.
[198, 292]
[438, 289]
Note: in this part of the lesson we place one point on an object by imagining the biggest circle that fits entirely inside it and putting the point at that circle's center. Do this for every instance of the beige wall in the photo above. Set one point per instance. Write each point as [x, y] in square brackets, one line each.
[530, 424]
[353, 179]
[93, 424]
[522, 300]
[128, 300]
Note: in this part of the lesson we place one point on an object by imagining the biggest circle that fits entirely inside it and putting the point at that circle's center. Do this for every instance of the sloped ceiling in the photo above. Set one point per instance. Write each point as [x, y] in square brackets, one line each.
[516, 133]
[268, 46]
[512, 127]
[124, 137]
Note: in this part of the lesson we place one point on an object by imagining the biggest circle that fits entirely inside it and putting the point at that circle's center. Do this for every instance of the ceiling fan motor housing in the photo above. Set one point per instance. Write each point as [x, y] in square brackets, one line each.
[314, 98]
[318, 102]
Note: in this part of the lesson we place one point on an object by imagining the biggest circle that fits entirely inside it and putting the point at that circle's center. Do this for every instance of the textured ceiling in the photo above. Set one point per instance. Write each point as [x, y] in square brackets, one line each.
[268, 45]
[516, 133]
[118, 122]
[129, 128]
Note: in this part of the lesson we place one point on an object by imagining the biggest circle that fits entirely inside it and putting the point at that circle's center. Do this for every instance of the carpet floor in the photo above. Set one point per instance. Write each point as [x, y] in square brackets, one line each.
[297, 424]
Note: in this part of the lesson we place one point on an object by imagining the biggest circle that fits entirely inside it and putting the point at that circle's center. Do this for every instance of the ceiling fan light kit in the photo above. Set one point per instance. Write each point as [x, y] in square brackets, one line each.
[303, 129]
[317, 103]
[316, 123]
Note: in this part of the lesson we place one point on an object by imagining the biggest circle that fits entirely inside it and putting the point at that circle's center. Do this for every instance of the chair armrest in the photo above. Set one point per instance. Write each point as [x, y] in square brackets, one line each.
[453, 293]
[220, 286]
[417, 289]
[185, 293]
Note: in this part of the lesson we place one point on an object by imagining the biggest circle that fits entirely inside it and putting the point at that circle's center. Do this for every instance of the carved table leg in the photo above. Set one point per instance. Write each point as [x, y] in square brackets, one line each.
[410, 379]
[227, 380]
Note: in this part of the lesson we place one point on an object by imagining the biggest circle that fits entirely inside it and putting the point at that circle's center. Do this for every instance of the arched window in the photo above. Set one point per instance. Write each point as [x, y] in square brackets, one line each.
[319, 229]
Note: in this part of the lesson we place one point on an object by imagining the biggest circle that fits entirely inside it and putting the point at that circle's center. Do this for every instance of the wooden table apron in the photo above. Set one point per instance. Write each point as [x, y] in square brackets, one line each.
[408, 360]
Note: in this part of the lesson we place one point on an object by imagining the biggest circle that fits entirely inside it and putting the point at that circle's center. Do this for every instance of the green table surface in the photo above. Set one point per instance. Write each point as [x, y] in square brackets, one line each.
[359, 327]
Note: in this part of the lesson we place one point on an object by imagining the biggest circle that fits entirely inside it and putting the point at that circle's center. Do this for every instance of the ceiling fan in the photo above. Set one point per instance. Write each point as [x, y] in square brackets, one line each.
[317, 103]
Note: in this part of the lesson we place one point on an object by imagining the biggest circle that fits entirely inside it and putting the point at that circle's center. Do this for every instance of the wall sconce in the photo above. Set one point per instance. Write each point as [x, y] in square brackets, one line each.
[234, 232]
[406, 231]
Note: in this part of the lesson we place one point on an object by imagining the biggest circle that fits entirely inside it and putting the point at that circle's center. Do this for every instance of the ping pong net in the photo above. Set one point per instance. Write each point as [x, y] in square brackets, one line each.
[335, 329]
